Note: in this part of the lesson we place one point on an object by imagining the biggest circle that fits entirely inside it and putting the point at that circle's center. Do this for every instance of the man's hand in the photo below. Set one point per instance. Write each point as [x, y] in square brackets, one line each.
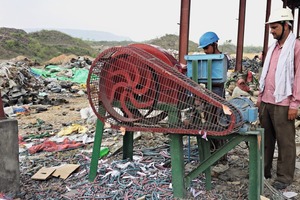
[257, 104]
[292, 114]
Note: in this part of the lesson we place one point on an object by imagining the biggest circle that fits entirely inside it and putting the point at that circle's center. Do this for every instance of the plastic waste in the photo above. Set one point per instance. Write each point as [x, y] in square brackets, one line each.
[103, 151]
[19, 110]
[74, 128]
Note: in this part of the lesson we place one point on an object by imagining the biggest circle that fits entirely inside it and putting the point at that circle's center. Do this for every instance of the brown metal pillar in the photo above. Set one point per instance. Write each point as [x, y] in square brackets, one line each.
[298, 25]
[2, 114]
[266, 36]
[240, 40]
[184, 30]
[293, 12]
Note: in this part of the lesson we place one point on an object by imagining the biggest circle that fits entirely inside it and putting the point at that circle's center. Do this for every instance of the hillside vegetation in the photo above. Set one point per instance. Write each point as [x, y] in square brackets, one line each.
[170, 41]
[40, 46]
[46, 44]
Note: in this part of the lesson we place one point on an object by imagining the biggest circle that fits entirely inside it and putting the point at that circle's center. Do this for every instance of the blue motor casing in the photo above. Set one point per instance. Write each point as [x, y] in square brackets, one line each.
[246, 107]
[248, 110]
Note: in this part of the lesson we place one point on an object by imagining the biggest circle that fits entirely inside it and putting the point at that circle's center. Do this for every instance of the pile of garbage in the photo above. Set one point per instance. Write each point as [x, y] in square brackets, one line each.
[18, 85]
[246, 82]
[21, 82]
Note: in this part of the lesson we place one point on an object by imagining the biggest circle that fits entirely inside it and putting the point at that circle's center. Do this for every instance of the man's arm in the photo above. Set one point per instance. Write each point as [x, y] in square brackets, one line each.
[295, 100]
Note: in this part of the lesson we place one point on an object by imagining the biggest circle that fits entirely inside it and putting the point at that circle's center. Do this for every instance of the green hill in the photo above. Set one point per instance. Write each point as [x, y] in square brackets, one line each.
[40, 46]
[168, 41]
[44, 45]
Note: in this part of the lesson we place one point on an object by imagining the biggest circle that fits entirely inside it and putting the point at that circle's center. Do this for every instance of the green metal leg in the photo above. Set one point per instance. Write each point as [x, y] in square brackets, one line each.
[256, 160]
[262, 156]
[255, 165]
[96, 150]
[177, 159]
[204, 153]
[177, 162]
[128, 145]
[253, 169]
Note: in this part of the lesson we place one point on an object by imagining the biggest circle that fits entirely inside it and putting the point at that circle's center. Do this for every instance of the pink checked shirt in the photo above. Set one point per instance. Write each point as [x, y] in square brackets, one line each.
[266, 96]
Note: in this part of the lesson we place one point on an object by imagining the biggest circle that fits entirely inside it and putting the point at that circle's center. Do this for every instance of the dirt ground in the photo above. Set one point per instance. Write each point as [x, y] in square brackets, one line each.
[232, 183]
[65, 113]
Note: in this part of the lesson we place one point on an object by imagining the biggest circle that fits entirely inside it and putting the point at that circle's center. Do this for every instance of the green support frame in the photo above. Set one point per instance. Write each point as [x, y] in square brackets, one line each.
[181, 181]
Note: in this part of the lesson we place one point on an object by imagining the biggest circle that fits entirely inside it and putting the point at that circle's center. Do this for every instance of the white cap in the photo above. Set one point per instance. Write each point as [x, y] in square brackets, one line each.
[282, 14]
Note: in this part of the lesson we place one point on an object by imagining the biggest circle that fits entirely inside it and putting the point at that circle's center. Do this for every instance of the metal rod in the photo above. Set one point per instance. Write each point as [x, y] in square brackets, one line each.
[298, 25]
[2, 114]
[240, 40]
[184, 30]
[266, 36]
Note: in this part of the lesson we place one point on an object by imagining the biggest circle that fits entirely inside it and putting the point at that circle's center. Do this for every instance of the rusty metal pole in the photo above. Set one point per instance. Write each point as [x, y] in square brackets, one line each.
[293, 12]
[240, 40]
[2, 114]
[298, 25]
[176, 140]
[184, 30]
[266, 36]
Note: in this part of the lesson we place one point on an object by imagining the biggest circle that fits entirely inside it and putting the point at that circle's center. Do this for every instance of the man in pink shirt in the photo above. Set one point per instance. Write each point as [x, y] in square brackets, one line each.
[279, 97]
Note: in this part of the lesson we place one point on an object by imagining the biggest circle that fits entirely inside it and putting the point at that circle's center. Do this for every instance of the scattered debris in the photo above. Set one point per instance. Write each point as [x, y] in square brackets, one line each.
[55, 128]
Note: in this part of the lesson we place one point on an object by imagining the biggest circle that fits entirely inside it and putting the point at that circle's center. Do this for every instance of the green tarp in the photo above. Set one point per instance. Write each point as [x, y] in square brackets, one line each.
[79, 75]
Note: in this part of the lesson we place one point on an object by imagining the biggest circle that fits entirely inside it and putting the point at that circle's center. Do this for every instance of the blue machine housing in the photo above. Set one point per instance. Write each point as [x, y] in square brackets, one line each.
[219, 67]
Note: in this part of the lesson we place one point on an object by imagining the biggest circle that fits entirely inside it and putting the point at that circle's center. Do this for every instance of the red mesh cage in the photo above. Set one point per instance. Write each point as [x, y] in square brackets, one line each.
[134, 90]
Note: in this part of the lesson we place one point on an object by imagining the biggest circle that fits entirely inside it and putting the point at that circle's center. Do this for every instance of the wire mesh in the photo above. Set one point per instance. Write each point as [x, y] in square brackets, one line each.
[131, 89]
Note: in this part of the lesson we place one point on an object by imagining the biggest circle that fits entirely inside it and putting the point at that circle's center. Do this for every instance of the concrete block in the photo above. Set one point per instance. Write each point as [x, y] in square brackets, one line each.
[9, 157]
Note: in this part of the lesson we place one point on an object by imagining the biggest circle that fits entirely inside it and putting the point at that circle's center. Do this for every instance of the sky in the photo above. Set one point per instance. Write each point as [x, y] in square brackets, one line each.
[139, 20]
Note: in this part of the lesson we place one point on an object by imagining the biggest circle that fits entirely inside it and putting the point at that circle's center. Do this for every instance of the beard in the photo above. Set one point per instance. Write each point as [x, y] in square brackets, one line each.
[275, 36]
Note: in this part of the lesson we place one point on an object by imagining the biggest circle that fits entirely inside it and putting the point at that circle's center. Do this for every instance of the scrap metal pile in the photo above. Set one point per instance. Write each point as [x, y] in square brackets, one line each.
[18, 85]
[21, 83]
